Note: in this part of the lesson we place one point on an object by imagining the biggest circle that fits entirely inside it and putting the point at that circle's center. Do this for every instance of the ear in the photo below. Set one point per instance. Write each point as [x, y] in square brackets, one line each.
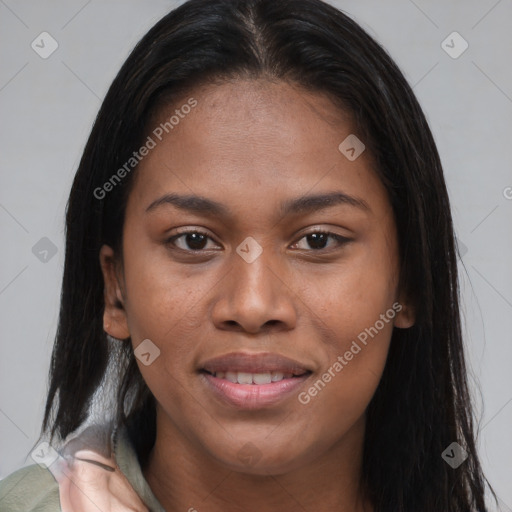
[406, 314]
[114, 317]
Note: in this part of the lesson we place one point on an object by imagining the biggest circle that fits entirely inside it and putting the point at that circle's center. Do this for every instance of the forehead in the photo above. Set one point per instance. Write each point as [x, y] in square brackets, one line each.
[251, 138]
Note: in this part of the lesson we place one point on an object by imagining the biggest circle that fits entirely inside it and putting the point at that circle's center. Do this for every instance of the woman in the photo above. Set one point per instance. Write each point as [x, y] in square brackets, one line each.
[260, 259]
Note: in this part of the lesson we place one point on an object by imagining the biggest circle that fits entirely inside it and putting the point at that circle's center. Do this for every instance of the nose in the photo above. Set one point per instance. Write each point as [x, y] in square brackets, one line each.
[255, 297]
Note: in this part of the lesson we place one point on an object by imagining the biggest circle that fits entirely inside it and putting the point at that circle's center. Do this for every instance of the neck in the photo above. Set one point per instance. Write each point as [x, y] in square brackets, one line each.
[184, 477]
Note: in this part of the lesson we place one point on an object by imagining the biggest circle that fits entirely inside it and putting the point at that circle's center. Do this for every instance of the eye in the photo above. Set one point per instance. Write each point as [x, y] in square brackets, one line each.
[195, 240]
[191, 241]
[318, 240]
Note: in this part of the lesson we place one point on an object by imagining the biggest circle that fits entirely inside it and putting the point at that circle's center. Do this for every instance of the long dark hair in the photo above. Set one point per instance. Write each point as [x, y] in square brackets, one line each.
[422, 403]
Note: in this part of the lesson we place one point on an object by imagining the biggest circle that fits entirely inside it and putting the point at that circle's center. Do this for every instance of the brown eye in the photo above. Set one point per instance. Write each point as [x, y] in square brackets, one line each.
[318, 240]
[190, 241]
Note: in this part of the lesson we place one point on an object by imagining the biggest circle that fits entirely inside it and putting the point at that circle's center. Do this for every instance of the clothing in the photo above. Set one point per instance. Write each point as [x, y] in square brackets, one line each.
[36, 488]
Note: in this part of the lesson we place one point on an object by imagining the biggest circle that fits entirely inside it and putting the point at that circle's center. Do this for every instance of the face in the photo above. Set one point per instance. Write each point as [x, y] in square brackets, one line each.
[269, 309]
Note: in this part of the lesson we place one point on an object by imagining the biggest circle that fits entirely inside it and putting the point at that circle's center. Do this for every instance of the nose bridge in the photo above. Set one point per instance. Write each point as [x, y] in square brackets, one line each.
[254, 295]
[252, 269]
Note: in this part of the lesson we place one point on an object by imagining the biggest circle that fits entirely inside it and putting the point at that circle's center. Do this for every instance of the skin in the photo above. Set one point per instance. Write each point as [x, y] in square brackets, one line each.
[250, 145]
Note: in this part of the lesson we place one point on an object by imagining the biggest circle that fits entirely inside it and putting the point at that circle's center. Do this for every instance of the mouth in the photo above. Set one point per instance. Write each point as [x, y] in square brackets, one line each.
[238, 377]
[253, 381]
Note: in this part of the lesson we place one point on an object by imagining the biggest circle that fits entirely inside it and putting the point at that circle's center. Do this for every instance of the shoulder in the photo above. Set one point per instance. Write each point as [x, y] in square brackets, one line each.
[30, 489]
[36, 488]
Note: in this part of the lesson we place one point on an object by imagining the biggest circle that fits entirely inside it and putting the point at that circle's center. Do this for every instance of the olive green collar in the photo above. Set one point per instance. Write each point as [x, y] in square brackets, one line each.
[128, 462]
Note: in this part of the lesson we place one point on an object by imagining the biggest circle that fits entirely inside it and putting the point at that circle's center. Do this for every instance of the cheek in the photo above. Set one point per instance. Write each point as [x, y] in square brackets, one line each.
[341, 391]
[164, 298]
[354, 309]
[164, 306]
[352, 294]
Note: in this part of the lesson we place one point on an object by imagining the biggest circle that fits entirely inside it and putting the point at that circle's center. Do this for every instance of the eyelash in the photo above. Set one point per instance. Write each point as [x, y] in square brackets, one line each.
[341, 240]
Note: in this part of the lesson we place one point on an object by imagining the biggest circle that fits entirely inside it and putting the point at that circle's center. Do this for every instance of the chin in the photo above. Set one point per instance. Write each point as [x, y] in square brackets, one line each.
[251, 460]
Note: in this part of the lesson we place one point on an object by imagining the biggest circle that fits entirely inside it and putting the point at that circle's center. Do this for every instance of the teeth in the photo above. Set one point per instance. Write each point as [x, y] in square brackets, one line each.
[276, 376]
[232, 377]
[262, 378]
[244, 378]
[252, 378]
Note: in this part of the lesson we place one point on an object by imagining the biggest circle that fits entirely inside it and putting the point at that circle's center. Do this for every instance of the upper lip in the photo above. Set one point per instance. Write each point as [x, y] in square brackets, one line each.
[254, 363]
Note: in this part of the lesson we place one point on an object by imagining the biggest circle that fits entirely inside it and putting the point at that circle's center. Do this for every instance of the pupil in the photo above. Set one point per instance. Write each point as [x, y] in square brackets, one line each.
[317, 240]
[195, 241]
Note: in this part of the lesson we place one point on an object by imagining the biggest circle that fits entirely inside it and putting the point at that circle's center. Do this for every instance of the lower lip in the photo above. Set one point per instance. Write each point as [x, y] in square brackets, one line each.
[253, 396]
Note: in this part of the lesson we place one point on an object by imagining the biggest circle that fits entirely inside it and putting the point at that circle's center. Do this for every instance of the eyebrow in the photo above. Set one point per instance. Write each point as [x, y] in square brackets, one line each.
[301, 205]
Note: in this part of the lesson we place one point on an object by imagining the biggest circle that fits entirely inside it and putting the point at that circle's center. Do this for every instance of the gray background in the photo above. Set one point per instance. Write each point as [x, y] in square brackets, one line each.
[47, 108]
